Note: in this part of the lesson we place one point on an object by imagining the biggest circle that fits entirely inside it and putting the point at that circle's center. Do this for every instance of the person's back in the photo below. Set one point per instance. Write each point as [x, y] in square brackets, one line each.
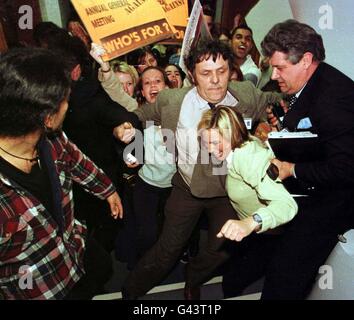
[42, 246]
[89, 123]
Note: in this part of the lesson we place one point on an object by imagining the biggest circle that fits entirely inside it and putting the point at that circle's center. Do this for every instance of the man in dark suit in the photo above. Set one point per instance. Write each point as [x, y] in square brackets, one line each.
[196, 186]
[322, 101]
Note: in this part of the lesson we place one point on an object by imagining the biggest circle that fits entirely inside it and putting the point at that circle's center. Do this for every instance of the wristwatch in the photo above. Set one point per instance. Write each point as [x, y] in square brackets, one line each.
[257, 218]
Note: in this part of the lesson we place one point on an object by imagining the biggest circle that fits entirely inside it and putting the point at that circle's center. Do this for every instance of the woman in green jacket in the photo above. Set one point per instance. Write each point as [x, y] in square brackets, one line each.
[255, 191]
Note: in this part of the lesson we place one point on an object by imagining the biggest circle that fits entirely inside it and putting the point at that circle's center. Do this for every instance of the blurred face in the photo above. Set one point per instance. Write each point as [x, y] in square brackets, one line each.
[242, 43]
[233, 76]
[209, 21]
[211, 79]
[147, 61]
[216, 144]
[223, 37]
[152, 83]
[127, 82]
[174, 76]
[291, 77]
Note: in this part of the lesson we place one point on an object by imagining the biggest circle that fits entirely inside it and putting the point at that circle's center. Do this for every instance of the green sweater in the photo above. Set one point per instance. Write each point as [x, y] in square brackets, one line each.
[251, 190]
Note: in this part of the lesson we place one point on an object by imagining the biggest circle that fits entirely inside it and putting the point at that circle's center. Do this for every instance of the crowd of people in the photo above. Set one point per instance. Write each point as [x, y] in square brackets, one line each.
[68, 118]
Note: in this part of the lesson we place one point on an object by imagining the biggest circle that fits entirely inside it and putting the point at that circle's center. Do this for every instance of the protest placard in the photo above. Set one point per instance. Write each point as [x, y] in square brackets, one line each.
[122, 26]
[196, 29]
[177, 13]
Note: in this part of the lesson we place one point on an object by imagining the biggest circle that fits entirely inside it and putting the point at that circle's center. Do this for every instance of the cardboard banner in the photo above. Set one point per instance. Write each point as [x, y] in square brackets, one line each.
[122, 26]
[196, 29]
[177, 13]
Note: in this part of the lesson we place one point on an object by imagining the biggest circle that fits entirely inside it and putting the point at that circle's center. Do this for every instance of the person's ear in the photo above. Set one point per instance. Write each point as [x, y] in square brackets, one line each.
[307, 59]
[49, 121]
[76, 73]
[191, 77]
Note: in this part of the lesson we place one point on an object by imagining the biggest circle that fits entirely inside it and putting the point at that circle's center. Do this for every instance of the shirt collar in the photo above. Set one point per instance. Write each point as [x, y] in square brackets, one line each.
[299, 92]
[228, 100]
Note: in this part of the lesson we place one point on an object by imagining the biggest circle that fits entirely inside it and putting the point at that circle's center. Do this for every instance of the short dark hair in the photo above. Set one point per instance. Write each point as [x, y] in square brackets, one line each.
[208, 10]
[45, 32]
[241, 26]
[206, 49]
[294, 39]
[183, 75]
[33, 83]
[136, 57]
[74, 52]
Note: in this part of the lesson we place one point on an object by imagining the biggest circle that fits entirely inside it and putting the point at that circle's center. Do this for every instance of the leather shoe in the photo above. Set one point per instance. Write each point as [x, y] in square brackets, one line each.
[192, 293]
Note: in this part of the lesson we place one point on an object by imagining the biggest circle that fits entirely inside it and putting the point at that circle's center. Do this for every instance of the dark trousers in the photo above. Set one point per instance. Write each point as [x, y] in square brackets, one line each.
[306, 244]
[248, 262]
[149, 204]
[182, 213]
[97, 215]
[98, 270]
[143, 216]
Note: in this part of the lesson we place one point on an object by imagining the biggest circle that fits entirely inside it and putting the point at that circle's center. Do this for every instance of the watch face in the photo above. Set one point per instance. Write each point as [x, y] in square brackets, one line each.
[257, 218]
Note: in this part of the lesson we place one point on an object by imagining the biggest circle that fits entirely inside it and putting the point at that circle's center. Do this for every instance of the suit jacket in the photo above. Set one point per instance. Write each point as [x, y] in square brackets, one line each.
[328, 101]
[166, 110]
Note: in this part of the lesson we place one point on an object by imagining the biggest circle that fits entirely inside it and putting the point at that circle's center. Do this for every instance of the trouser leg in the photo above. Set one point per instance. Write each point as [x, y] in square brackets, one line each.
[146, 200]
[248, 263]
[181, 215]
[98, 270]
[201, 267]
[305, 246]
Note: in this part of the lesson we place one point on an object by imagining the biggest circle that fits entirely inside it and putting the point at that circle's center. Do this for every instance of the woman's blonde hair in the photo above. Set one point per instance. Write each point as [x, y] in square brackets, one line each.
[229, 122]
[121, 66]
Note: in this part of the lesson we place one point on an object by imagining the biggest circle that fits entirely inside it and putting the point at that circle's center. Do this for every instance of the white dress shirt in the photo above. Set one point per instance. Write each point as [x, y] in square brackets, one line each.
[193, 107]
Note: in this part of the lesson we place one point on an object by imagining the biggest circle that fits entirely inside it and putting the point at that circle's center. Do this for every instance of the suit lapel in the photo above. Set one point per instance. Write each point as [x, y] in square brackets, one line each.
[172, 111]
[302, 107]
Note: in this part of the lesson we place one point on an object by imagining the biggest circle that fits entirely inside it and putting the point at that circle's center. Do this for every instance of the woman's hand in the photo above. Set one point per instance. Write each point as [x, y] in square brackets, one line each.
[236, 230]
[97, 52]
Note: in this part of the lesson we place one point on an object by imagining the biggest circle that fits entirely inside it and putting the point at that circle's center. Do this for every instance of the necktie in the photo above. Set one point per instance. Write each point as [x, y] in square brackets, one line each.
[292, 100]
[290, 117]
[211, 105]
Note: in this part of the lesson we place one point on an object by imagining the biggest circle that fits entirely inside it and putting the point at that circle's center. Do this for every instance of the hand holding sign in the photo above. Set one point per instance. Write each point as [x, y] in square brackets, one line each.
[123, 26]
[97, 52]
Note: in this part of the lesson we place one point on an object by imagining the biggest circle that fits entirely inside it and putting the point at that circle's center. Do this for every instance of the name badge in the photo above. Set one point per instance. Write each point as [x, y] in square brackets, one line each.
[248, 123]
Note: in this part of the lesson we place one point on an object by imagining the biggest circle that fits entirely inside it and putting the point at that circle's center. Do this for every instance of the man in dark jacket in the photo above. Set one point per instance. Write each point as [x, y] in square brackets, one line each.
[322, 101]
[89, 123]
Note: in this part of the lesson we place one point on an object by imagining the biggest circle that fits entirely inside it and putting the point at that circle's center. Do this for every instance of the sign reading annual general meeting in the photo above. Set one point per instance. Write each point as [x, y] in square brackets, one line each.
[121, 26]
[177, 13]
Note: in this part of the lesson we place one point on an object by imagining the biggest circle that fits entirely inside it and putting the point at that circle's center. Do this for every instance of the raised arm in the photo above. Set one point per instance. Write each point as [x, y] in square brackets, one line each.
[110, 82]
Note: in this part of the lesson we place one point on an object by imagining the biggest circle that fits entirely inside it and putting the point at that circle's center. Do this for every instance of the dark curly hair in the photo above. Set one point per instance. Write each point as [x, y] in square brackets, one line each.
[206, 49]
[294, 39]
[33, 83]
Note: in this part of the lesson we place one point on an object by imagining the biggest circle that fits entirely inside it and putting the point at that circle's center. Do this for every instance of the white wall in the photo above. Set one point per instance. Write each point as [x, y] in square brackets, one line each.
[333, 19]
[56, 11]
[264, 15]
[50, 10]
